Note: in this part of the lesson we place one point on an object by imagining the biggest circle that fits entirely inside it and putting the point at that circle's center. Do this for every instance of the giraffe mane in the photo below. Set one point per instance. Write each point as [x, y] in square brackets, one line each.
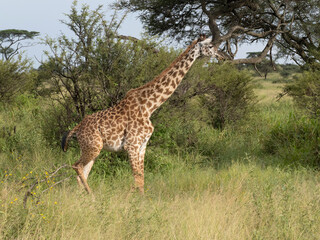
[164, 72]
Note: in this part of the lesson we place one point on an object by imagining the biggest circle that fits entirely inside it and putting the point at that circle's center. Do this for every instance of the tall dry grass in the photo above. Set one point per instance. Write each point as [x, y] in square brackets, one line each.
[244, 201]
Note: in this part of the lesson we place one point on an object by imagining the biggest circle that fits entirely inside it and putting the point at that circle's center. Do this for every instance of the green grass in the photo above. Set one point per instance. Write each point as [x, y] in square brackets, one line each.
[221, 185]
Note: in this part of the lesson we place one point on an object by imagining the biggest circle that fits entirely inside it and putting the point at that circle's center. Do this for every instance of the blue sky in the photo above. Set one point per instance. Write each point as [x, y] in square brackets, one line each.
[43, 16]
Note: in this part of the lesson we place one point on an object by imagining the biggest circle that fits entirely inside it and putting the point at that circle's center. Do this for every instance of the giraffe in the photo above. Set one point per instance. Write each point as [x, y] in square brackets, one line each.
[127, 126]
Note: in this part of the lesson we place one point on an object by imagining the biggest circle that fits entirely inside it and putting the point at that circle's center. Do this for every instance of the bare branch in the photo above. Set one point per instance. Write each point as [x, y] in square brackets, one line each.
[257, 70]
[231, 33]
[237, 48]
[45, 179]
[133, 39]
[229, 50]
[262, 55]
[292, 41]
[281, 95]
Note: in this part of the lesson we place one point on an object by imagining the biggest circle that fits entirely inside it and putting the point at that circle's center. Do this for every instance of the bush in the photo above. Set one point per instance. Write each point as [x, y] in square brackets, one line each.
[306, 92]
[220, 94]
[287, 70]
[15, 77]
[231, 95]
[56, 120]
[19, 125]
[297, 141]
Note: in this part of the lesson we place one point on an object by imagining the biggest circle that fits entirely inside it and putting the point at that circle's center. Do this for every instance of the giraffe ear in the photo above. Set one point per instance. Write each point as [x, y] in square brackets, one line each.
[202, 37]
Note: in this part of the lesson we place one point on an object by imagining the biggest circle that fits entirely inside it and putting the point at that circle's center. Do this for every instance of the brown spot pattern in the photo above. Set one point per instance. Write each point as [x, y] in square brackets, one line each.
[127, 125]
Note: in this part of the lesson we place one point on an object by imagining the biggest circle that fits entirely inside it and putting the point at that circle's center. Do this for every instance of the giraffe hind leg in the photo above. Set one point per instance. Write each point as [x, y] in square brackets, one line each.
[81, 178]
[85, 172]
[84, 165]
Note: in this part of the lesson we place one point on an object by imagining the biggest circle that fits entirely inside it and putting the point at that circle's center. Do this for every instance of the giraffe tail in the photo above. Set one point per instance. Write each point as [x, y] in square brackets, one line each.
[66, 136]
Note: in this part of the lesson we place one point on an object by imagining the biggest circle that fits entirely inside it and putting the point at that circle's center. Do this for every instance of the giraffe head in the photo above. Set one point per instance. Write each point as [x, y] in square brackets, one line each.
[206, 48]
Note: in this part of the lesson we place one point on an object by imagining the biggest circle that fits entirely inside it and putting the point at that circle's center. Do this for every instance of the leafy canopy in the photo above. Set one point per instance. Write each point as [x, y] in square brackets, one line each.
[292, 25]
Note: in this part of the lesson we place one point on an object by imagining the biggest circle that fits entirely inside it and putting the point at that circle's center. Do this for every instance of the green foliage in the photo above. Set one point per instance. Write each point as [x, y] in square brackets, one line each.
[20, 131]
[305, 91]
[16, 77]
[216, 94]
[56, 119]
[197, 142]
[15, 33]
[231, 95]
[287, 70]
[296, 141]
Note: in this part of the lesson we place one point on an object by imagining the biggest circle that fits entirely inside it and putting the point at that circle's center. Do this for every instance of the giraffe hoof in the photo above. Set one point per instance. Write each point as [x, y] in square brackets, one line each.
[135, 189]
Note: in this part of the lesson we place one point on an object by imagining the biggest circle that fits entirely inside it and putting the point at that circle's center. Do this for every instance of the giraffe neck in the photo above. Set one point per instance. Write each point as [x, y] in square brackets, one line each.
[153, 94]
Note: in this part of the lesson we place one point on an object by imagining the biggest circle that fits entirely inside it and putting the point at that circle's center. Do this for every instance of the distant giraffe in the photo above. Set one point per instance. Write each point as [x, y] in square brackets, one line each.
[127, 125]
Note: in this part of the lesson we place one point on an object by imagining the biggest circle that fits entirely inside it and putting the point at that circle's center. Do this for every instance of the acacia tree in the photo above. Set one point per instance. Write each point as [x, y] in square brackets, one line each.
[292, 25]
[13, 40]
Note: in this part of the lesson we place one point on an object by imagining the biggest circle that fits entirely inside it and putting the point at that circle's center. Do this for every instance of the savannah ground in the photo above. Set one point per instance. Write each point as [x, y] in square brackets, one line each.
[225, 186]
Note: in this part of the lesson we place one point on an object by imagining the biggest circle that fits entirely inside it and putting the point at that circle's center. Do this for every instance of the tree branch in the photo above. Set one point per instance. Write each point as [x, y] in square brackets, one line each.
[263, 54]
[46, 179]
[212, 23]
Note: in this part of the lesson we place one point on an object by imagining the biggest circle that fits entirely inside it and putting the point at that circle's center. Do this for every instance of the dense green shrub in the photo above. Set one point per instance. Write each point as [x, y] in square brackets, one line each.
[219, 93]
[16, 77]
[306, 92]
[287, 70]
[19, 126]
[196, 141]
[296, 141]
[56, 119]
[231, 95]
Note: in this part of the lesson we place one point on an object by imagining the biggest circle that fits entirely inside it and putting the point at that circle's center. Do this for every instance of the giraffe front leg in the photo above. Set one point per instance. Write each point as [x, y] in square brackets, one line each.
[136, 147]
[136, 155]
[137, 166]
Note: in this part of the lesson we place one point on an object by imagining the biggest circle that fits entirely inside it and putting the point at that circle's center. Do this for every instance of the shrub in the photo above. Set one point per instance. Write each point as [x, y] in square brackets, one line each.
[297, 141]
[56, 120]
[15, 77]
[221, 94]
[231, 95]
[306, 92]
[19, 125]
